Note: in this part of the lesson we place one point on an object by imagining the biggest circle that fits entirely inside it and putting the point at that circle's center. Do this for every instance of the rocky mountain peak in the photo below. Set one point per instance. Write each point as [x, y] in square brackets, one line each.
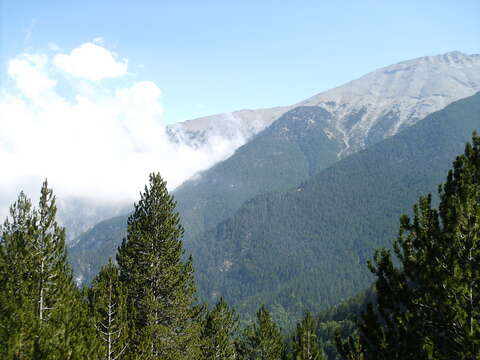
[365, 110]
[382, 102]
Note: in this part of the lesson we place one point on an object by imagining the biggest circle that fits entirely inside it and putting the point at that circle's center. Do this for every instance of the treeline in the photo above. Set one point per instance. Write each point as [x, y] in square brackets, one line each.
[425, 303]
[142, 306]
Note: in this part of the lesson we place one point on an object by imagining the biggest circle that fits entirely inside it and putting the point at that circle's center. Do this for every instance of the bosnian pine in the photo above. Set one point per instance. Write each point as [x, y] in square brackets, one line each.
[263, 340]
[108, 303]
[18, 307]
[159, 284]
[429, 307]
[305, 343]
[42, 313]
[218, 333]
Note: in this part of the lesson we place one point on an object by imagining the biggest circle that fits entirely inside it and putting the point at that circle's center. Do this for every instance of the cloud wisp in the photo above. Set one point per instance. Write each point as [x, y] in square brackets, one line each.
[79, 120]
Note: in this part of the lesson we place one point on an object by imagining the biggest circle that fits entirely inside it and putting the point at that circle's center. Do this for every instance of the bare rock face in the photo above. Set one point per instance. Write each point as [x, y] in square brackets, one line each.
[366, 110]
[388, 99]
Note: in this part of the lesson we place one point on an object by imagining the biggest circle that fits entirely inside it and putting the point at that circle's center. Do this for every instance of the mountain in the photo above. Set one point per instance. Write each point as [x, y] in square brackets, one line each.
[242, 123]
[94, 247]
[307, 138]
[324, 129]
[306, 248]
[391, 98]
[296, 141]
[288, 152]
[302, 142]
[365, 110]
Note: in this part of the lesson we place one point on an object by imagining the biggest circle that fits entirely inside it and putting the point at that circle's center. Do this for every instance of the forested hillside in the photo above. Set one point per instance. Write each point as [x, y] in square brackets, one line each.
[424, 304]
[288, 152]
[239, 180]
[342, 319]
[307, 248]
[316, 133]
[145, 304]
[285, 154]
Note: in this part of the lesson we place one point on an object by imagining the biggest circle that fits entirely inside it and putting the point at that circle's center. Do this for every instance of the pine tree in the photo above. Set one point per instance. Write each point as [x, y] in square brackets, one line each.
[429, 307]
[42, 313]
[218, 333]
[17, 305]
[108, 303]
[263, 341]
[160, 286]
[305, 343]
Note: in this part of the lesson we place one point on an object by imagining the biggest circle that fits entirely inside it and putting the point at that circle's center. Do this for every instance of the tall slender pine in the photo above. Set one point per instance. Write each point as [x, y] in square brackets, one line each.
[263, 340]
[159, 284]
[108, 304]
[218, 333]
[305, 342]
[43, 315]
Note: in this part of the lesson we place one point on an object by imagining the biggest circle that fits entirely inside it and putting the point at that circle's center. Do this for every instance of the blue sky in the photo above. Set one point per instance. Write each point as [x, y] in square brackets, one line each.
[87, 87]
[215, 56]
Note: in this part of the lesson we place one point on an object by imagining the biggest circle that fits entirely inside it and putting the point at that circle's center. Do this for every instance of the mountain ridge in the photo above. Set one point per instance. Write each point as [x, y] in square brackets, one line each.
[307, 247]
[363, 112]
[445, 78]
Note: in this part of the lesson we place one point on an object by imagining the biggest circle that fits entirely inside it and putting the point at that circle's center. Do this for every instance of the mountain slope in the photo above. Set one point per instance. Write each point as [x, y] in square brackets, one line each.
[354, 115]
[307, 247]
[363, 112]
[384, 101]
[94, 247]
[293, 148]
[285, 154]
[391, 98]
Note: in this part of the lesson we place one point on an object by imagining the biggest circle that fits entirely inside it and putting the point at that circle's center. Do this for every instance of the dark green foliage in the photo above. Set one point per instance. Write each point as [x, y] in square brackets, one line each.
[349, 309]
[307, 248]
[262, 340]
[429, 306]
[342, 319]
[218, 332]
[286, 153]
[42, 313]
[159, 285]
[351, 348]
[96, 246]
[305, 342]
[289, 151]
[107, 300]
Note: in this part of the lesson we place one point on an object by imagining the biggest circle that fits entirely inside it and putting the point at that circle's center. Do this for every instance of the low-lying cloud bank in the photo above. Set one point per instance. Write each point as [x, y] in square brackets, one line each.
[81, 120]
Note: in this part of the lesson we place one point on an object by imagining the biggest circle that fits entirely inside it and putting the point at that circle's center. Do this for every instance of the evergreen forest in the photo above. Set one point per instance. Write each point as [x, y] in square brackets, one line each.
[423, 301]
[301, 245]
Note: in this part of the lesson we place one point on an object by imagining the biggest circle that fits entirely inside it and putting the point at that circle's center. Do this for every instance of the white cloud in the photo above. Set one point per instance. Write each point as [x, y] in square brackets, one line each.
[29, 73]
[97, 143]
[91, 62]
